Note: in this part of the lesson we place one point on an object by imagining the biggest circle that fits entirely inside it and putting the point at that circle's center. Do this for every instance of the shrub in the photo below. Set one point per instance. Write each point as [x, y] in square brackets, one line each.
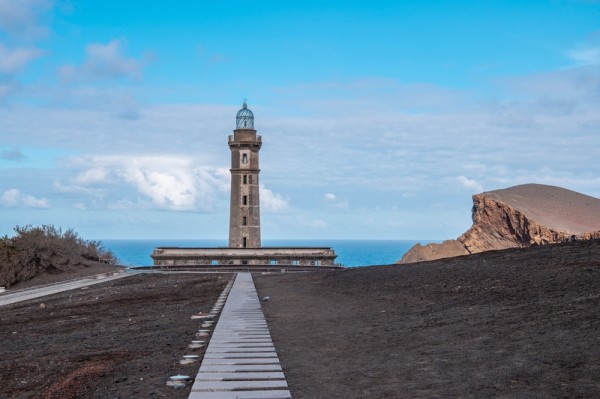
[35, 250]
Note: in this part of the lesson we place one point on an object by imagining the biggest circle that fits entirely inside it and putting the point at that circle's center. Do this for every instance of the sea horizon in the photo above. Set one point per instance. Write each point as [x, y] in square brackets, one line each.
[350, 253]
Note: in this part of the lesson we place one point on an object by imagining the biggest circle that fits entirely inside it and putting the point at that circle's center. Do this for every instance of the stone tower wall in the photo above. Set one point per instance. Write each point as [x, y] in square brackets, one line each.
[244, 217]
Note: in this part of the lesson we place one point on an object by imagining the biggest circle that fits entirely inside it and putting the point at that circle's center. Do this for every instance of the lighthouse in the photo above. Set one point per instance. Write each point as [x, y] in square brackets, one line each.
[245, 250]
[244, 214]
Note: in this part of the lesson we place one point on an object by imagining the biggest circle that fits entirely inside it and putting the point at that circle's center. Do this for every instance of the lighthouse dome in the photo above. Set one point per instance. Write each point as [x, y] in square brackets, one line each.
[244, 118]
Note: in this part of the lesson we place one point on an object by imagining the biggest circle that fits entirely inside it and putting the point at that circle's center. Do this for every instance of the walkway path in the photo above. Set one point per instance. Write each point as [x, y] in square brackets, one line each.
[36, 292]
[240, 361]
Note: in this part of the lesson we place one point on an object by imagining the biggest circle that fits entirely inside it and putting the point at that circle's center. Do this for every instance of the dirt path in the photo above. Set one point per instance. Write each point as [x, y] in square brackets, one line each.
[120, 339]
[89, 269]
[25, 294]
[515, 323]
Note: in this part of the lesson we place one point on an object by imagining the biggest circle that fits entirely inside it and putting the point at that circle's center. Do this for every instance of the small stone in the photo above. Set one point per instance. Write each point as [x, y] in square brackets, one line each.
[266, 298]
[179, 377]
[42, 306]
[176, 384]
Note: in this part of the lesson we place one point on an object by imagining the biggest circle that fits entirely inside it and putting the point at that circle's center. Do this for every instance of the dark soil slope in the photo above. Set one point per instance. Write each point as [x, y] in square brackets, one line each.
[119, 339]
[519, 323]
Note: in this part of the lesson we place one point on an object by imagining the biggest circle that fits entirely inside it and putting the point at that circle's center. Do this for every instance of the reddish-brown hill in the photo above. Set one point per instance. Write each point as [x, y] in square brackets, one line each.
[520, 216]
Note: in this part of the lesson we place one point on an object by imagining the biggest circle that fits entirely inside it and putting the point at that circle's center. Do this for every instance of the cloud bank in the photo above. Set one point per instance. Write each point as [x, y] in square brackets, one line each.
[14, 198]
[104, 61]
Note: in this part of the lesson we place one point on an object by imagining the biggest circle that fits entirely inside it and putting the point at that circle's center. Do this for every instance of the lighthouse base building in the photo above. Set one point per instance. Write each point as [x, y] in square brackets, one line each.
[300, 257]
[244, 219]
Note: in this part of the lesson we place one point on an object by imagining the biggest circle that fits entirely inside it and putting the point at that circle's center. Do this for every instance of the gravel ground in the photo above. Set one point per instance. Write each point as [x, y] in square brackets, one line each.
[518, 323]
[120, 339]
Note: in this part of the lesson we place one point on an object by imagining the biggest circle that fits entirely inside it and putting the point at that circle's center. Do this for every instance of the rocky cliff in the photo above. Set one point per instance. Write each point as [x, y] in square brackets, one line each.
[520, 216]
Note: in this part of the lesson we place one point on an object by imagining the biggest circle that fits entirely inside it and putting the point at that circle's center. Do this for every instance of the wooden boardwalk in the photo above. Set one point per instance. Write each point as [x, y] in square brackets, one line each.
[240, 360]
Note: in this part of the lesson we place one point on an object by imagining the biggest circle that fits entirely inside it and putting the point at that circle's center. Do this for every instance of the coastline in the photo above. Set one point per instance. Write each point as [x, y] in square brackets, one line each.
[351, 253]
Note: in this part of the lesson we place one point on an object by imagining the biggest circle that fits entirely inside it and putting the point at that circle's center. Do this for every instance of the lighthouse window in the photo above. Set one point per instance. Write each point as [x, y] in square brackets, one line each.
[245, 243]
[245, 179]
[245, 200]
[244, 221]
[244, 158]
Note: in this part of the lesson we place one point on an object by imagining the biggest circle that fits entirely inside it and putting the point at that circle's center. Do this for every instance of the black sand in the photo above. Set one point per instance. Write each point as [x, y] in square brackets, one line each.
[516, 323]
[120, 339]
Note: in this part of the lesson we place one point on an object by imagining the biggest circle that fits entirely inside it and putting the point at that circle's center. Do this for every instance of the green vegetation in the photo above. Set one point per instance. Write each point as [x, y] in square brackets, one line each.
[35, 250]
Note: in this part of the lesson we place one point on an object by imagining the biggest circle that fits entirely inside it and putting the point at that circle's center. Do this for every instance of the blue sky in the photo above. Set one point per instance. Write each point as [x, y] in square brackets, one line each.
[379, 119]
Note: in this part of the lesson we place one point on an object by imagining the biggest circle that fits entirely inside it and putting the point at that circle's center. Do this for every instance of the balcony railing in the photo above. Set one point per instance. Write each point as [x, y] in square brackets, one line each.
[258, 140]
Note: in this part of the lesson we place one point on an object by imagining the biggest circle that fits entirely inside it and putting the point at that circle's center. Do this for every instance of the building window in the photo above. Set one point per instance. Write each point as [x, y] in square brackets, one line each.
[245, 200]
[317, 263]
[214, 262]
[244, 262]
[294, 263]
[272, 262]
[245, 243]
[244, 158]
[245, 179]
[244, 221]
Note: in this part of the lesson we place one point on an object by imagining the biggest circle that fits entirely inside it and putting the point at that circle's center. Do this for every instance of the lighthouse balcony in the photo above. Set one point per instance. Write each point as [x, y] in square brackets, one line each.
[249, 139]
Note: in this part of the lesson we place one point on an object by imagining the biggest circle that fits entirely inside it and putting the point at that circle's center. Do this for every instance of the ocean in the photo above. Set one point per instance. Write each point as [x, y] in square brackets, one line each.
[352, 253]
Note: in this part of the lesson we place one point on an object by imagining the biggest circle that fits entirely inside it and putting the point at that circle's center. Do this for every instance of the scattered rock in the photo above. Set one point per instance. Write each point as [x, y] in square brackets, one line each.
[176, 384]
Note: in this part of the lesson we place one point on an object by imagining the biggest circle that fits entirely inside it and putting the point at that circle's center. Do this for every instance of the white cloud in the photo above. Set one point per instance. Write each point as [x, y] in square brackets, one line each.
[194, 130]
[469, 184]
[547, 131]
[21, 17]
[169, 182]
[224, 176]
[335, 201]
[20, 24]
[586, 55]
[13, 61]
[93, 176]
[104, 61]
[14, 198]
[272, 202]
[169, 190]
